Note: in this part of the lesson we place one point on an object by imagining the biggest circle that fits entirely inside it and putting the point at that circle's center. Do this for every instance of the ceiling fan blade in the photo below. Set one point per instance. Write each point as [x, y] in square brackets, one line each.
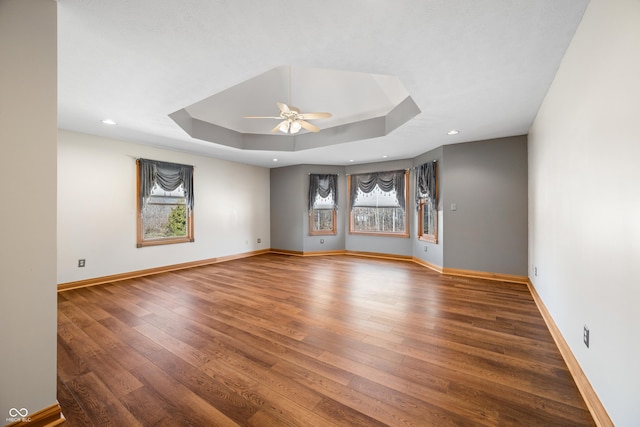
[277, 128]
[311, 116]
[283, 107]
[308, 126]
[262, 117]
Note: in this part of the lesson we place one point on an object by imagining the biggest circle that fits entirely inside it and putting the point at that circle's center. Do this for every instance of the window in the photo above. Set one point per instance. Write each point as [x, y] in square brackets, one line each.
[427, 201]
[165, 203]
[323, 204]
[377, 203]
[428, 215]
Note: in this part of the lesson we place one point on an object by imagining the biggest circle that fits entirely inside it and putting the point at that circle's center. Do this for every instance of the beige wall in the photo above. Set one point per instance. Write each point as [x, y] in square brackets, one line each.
[97, 208]
[584, 202]
[28, 217]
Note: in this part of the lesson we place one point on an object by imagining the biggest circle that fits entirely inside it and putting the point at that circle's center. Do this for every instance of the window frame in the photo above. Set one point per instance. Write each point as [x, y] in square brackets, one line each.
[404, 234]
[427, 237]
[141, 242]
[332, 231]
[421, 201]
[312, 209]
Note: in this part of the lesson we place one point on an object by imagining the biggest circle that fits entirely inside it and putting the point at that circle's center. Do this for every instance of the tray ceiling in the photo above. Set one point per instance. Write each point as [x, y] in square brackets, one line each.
[482, 67]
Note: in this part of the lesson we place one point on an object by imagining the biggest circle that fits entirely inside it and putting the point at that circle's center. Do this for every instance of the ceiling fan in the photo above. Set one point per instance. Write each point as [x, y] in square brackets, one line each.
[292, 120]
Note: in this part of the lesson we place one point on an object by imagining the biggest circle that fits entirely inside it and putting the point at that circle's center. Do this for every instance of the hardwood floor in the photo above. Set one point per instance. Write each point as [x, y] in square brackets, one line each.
[317, 341]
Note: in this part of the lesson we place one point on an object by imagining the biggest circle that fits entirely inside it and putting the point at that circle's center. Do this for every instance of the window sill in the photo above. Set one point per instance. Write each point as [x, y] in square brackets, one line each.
[166, 241]
[380, 234]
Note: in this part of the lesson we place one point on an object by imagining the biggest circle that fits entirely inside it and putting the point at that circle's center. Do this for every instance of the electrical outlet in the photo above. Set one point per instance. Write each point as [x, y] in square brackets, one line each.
[322, 241]
[81, 263]
[585, 336]
[259, 240]
[426, 248]
[535, 271]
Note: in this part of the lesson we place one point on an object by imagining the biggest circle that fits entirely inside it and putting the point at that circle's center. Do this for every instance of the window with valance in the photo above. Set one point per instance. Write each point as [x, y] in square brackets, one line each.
[323, 204]
[427, 201]
[378, 203]
[165, 203]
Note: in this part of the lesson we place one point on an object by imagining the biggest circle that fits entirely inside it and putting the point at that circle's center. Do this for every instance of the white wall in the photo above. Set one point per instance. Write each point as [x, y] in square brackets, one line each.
[28, 217]
[584, 202]
[97, 208]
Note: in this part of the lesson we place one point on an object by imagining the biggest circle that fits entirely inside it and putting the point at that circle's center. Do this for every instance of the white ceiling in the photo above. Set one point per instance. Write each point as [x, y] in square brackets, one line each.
[480, 66]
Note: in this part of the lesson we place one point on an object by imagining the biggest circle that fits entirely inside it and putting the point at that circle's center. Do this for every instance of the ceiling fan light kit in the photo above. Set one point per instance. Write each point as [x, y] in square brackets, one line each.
[292, 120]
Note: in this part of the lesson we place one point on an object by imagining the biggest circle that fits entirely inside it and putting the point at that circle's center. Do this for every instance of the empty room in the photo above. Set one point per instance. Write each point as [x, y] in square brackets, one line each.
[365, 213]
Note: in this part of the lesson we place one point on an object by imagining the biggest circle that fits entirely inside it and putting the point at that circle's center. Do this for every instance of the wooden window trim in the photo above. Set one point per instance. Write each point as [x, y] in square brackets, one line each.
[433, 238]
[140, 241]
[333, 231]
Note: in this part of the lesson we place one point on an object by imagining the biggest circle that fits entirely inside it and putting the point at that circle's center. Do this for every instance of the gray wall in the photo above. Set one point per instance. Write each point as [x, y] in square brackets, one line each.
[383, 245]
[28, 134]
[487, 180]
[289, 211]
[331, 243]
[287, 203]
[488, 231]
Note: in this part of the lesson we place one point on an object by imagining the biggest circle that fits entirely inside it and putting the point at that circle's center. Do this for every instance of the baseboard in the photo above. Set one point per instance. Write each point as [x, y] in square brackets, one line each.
[434, 267]
[241, 255]
[484, 275]
[597, 410]
[147, 272]
[322, 253]
[380, 255]
[47, 417]
[174, 267]
[286, 252]
[342, 252]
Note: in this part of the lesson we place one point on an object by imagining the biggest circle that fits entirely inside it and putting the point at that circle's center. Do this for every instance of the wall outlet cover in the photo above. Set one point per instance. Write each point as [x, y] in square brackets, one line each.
[585, 336]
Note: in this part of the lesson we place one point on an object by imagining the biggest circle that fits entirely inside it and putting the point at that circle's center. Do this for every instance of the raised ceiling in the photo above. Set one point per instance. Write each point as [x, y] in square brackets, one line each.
[361, 105]
[480, 66]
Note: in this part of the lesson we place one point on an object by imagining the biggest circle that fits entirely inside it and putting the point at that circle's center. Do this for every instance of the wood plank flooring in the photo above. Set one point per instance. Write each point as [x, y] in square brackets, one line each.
[276, 340]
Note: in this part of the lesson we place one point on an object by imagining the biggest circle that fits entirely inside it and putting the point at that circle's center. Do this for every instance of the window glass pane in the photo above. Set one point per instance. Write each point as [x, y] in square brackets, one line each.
[323, 219]
[160, 221]
[381, 220]
[165, 214]
[428, 218]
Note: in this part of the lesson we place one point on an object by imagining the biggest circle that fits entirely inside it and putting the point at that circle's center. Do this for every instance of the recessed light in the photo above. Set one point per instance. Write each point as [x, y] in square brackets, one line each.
[108, 122]
[385, 156]
[453, 132]
[275, 160]
[351, 161]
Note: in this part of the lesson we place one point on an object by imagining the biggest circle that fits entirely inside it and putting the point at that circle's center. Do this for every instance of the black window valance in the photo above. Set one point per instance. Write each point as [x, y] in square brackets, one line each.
[167, 176]
[386, 181]
[426, 183]
[323, 185]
